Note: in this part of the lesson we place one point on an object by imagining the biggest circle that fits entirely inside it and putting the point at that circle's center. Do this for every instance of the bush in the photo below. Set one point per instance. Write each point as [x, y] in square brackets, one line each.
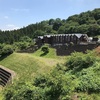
[89, 80]
[45, 49]
[57, 85]
[40, 81]
[6, 50]
[1, 45]
[23, 91]
[60, 84]
[23, 44]
[20, 45]
[78, 61]
[25, 39]
[89, 83]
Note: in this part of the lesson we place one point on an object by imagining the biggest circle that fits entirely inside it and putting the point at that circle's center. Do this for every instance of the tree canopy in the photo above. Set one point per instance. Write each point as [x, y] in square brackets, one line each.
[86, 22]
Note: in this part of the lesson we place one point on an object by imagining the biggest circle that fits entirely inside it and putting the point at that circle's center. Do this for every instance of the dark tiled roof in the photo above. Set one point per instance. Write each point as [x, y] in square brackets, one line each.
[76, 34]
[41, 37]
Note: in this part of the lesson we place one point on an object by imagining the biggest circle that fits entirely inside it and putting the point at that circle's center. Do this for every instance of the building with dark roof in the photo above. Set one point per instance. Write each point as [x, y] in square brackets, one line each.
[52, 39]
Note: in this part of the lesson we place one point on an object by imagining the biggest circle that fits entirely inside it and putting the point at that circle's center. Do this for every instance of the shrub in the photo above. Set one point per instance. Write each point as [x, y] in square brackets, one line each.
[20, 45]
[89, 83]
[1, 45]
[19, 91]
[25, 39]
[59, 84]
[78, 61]
[40, 81]
[45, 49]
[7, 49]
[23, 44]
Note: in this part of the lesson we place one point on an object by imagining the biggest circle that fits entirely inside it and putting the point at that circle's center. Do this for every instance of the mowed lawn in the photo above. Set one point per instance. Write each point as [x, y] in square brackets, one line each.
[22, 64]
[1, 97]
[51, 54]
[27, 65]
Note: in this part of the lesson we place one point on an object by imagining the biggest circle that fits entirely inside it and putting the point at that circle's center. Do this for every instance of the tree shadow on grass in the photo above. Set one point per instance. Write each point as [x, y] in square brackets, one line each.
[43, 54]
[3, 57]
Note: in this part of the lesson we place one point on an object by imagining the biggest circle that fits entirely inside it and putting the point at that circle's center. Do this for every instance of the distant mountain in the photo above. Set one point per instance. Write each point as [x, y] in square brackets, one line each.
[86, 22]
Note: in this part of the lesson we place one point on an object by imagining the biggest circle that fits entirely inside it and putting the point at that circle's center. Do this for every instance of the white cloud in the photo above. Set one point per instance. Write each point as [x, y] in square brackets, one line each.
[11, 27]
[6, 17]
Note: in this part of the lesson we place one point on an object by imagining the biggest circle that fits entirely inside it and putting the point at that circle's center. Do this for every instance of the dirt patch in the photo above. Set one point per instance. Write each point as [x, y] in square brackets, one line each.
[98, 50]
[75, 97]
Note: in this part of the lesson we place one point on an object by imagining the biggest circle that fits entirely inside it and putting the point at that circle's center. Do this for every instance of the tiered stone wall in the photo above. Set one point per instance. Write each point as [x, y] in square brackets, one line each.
[63, 50]
[6, 76]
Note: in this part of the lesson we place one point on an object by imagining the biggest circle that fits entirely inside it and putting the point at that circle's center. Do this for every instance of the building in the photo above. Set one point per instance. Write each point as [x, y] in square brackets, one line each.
[57, 39]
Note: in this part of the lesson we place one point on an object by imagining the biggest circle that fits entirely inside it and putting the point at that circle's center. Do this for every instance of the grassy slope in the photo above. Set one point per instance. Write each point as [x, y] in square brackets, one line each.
[26, 64]
[22, 64]
[1, 97]
[50, 58]
[51, 54]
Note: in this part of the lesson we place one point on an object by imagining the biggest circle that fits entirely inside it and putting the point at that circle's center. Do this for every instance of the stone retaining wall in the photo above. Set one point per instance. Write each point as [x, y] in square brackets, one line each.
[6, 76]
[63, 50]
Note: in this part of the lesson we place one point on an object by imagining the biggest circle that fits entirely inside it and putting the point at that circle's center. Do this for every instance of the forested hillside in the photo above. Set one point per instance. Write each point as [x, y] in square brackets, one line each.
[86, 22]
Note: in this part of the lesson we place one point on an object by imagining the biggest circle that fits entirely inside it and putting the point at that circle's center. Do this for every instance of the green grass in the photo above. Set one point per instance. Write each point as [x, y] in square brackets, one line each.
[98, 36]
[28, 65]
[22, 64]
[1, 97]
[51, 54]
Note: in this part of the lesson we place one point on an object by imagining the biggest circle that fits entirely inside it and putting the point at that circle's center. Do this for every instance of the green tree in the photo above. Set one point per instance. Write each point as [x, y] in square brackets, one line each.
[45, 49]
[51, 21]
[57, 24]
[7, 49]
[25, 39]
[38, 33]
[79, 61]
[61, 30]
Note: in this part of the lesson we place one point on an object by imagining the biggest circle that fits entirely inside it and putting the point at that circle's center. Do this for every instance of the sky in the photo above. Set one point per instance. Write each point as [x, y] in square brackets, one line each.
[15, 14]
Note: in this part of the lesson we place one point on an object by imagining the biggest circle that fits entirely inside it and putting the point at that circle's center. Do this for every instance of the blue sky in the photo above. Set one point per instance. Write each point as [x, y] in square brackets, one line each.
[16, 14]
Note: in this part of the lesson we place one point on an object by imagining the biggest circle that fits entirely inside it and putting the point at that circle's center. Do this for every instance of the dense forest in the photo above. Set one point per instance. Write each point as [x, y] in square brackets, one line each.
[86, 22]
